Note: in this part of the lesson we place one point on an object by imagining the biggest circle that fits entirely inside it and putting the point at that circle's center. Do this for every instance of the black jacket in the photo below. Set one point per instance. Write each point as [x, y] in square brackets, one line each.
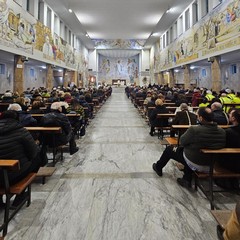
[231, 161]
[17, 143]
[158, 122]
[57, 119]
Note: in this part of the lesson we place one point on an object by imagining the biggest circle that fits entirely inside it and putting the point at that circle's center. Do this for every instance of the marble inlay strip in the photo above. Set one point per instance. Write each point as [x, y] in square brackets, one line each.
[132, 175]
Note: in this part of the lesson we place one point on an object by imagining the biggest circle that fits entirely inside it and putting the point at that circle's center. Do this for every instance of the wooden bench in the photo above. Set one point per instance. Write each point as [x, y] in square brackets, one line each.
[221, 216]
[45, 172]
[169, 141]
[11, 190]
[215, 172]
[52, 131]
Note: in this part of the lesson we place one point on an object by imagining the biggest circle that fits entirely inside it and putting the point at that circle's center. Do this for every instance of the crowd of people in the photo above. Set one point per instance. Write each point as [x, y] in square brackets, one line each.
[17, 143]
[204, 132]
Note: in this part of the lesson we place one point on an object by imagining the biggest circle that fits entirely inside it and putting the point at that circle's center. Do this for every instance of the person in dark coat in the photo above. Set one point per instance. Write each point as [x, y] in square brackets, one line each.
[158, 122]
[219, 116]
[17, 143]
[183, 117]
[57, 119]
[231, 161]
[25, 118]
[206, 135]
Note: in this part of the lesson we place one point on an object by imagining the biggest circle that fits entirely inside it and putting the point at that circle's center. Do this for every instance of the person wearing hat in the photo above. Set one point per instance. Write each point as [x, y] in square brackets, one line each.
[7, 97]
[225, 100]
[230, 94]
[57, 119]
[154, 120]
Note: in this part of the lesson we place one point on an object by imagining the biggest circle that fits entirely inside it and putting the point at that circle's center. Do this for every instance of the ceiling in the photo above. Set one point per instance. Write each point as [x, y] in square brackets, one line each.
[118, 19]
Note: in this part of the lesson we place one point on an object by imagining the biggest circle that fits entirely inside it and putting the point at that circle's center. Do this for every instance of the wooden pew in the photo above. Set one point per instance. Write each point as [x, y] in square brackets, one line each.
[215, 172]
[53, 131]
[12, 190]
[161, 129]
[44, 172]
[221, 216]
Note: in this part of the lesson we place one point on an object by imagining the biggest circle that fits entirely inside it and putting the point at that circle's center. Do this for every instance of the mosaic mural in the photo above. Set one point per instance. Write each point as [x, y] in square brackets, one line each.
[118, 44]
[118, 68]
[217, 32]
[19, 30]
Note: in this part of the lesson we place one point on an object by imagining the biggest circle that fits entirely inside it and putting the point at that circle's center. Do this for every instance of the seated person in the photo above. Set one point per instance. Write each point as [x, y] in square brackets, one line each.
[79, 122]
[17, 143]
[57, 119]
[205, 135]
[232, 228]
[231, 162]
[219, 116]
[183, 117]
[36, 108]
[25, 118]
[158, 122]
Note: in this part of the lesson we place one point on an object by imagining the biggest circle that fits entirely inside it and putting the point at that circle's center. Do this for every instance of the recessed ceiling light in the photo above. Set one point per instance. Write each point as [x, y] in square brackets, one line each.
[70, 10]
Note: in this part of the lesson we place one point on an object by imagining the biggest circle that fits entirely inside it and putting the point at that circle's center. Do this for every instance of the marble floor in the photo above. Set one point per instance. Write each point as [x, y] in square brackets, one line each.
[108, 190]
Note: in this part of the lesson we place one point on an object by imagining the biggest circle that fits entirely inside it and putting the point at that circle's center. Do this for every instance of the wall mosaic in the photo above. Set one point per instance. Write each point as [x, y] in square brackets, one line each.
[118, 68]
[19, 30]
[217, 33]
[118, 44]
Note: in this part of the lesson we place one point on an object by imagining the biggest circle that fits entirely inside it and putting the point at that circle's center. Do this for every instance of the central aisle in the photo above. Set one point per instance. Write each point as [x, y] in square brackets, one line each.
[108, 191]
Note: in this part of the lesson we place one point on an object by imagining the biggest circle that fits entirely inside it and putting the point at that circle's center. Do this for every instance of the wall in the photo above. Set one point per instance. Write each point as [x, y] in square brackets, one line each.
[6, 80]
[34, 77]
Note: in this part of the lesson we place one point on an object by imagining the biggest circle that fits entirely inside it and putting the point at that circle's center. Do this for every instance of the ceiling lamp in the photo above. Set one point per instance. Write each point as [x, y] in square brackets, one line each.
[70, 10]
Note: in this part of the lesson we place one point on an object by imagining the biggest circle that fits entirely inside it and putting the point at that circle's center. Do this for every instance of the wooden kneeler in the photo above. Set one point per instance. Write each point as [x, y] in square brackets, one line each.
[11, 190]
[45, 172]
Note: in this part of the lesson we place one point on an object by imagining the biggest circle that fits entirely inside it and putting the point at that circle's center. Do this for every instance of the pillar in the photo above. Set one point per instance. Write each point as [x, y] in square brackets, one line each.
[162, 80]
[18, 85]
[216, 74]
[49, 83]
[65, 78]
[171, 78]
[187, 76]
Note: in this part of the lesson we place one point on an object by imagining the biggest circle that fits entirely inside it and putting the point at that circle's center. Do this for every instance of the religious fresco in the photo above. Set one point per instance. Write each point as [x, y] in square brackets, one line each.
[19, 30]
[15, 31]
[217, 32]
[118, 68]
[118, 44]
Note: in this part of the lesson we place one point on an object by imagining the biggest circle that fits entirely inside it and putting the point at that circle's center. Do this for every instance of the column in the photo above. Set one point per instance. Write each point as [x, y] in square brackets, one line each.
[216, 74]
[187, 76]
[75, 78]
[18, 85]
[65, 78]
[162, 80]
[49, 83]
[171, 78]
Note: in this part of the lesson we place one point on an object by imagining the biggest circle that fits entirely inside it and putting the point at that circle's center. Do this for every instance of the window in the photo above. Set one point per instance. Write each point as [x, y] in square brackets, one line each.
[205, 8]
[204, 72]
[2, 68]
[65, 34]
[233, 69]
[31, 72]
[187, 19]
[49, 17]
[40, 11]
[69, 37]
[195, 12]
[180, 26]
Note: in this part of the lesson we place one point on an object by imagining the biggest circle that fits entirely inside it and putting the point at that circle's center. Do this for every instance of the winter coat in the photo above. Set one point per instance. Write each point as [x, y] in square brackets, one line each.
[208, 136]
[17, 143]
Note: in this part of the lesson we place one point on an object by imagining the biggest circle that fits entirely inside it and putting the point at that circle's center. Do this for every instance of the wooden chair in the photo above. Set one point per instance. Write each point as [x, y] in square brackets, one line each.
[13, 190]
[221, 216]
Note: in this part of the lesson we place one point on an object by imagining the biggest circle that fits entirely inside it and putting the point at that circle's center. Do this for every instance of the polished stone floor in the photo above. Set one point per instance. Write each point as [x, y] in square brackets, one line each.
[108, 191]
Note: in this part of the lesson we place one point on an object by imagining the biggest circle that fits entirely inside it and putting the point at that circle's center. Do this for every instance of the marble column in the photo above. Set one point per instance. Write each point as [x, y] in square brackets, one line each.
[171, 78]
[187, 76]
[216, 74]
[162, 80]
[65, 78]
[49, 83]
[18, 74]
